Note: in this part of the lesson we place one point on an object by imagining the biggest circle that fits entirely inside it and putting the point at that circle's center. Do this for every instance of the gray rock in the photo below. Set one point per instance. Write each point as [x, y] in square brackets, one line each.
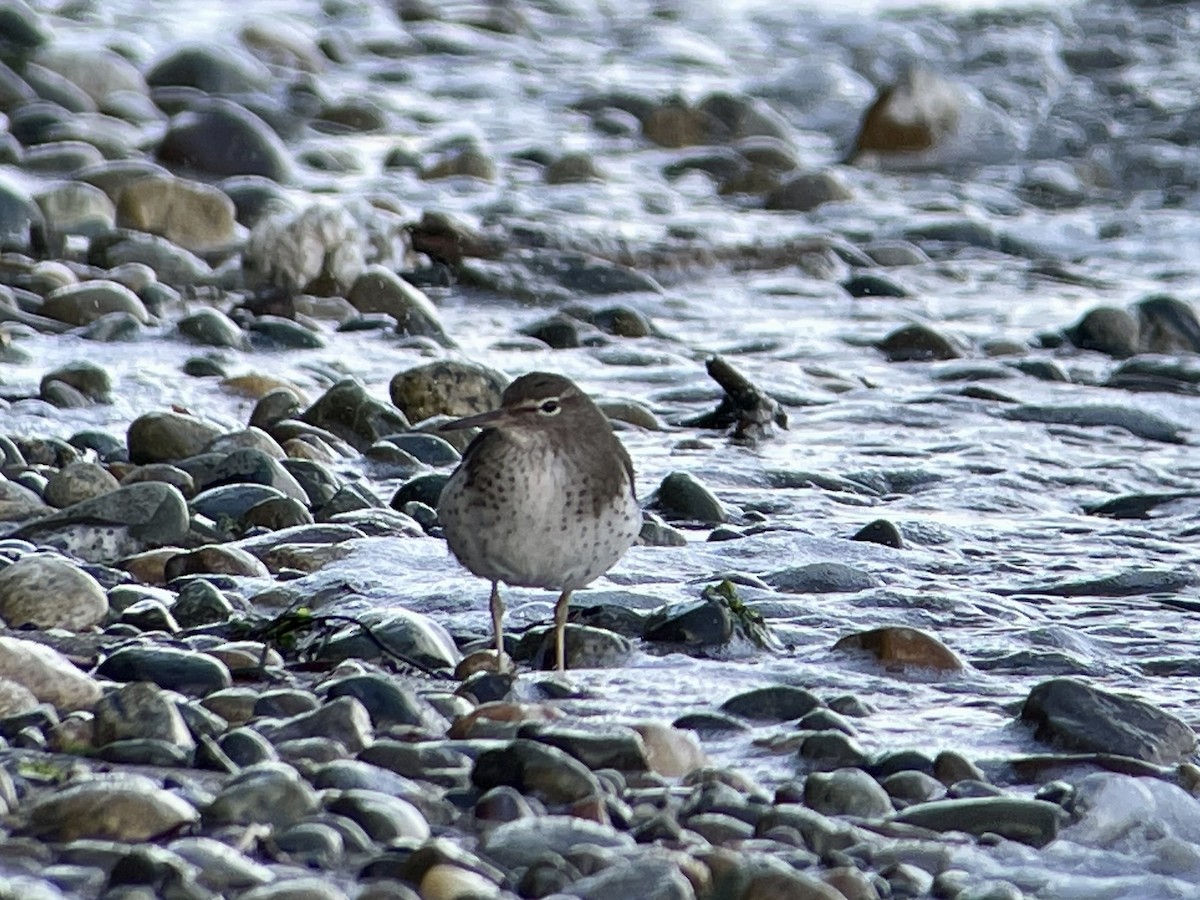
[386, 700]
[195, 216]
[76, 482]
[212, 327]
[171, 264]
[89, 379]
[402, 631]
[520, 843]
[379, 290]
[47, 674]
[584, 647]
[141, 710]
[682, 496]
[343, 719]
[776, 703]
[347, 410]
[313, 844]
[846, 792]
[222, 867]
[544, 772]
[251, 465]
[1106, 329]
[267, 793]
[80, 304]
[75, 207]
[821, 578]
[918, 343]
[824, 751]
[185, 671]
[214, 68]
[913, 787]
[612, 748]
[310, 888]
[119, 523]
[122, 809]
[296, 251]
[200, 603]
[1076, 716]
[168, 437]
[807, 191]
[277, 331]
[645, 876]
[223, 138]
[50, 592]
[1138, 422]
[446, 388]
[383, 817]
[1033, 822]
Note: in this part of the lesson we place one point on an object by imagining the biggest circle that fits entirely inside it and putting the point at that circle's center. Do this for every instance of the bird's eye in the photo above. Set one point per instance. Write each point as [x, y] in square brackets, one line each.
[549, 408]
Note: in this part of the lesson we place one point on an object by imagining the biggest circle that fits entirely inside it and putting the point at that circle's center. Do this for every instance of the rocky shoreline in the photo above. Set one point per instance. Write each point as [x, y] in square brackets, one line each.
[199, 697]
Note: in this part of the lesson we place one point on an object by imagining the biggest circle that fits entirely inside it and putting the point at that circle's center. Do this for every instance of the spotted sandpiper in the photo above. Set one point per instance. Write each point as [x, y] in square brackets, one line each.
[543, 497]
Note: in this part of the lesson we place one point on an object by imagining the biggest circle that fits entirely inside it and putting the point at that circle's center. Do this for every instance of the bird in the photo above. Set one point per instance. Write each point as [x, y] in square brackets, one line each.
[544, 496]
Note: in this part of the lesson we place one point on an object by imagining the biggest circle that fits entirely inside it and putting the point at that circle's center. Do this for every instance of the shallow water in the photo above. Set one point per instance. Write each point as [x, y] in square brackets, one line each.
[991, 508]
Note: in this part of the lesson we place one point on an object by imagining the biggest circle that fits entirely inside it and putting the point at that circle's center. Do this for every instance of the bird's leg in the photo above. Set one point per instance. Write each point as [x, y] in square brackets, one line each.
[497, 605]
[560, 631]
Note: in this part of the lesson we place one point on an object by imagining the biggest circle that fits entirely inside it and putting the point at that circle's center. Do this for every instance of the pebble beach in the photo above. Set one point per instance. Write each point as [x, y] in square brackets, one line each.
[894, 309]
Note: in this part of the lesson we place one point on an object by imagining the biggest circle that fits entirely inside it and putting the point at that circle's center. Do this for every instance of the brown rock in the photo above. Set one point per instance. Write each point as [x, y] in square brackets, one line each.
[903, 646]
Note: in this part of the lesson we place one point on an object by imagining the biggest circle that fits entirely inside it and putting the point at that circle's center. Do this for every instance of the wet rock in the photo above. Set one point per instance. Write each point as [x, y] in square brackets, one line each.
[775, 703]
[212, 327]
[379, 290]
[15, 699]
[222, 868]
[1167, 325]
[222, 139]
[903, 646]
[670, 751]
[584, 647]
[83, 303]
[461, 162]
[917, 112]
[50, 592]
[1076, 716]
[572, 168]
[77, 482]
[303, 888]
[682, 496]
[520, 843]
[446, 387]
[881, 531]
[268, 793]
[846, 792]
[195, 216]
[1032, 822]
[783, 883]
[821, 578]
[700, 623]
[385, 818]
[807, 191]
[318, 249]
[868, 284]
[185, 671]
[824, 751]
[75, 207]
[1106, 329]
[47, 674]
[347, 410]
[651, 877]
[917, 343]
[168, 436]
[122, 809]
[209, 67]
[401, 631]
[1138, 422]
[171, 263]
[119, 523]
[342, 719]
[386, 701]
[912, 787]
[622, 750]
[91, 380]
[544, 772]
[214, 559]
[141, 710]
